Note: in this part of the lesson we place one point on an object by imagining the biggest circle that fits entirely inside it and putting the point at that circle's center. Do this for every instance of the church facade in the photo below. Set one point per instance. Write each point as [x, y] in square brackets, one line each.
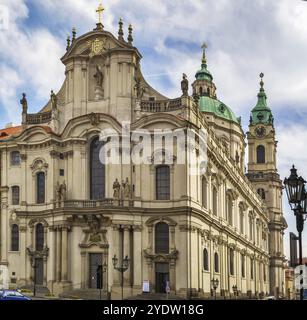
[67, 217]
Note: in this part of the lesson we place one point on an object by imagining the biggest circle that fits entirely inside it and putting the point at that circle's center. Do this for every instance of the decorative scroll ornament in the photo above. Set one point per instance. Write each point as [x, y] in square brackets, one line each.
[97, 47]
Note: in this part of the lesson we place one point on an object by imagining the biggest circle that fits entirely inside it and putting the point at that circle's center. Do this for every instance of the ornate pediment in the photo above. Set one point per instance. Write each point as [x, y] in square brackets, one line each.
[95, 232]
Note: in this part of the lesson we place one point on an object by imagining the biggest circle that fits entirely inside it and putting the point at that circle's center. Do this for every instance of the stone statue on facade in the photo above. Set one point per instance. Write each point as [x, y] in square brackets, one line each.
[64, 191]
[94, 226]
[185, 85]
[116, 188]
[53, 99]
[139, 89]
[58, 192]
[98, 76]
[24, 103]
[127, 189]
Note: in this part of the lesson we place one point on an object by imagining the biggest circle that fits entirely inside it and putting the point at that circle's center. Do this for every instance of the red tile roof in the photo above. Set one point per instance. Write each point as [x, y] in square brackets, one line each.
[15, 131]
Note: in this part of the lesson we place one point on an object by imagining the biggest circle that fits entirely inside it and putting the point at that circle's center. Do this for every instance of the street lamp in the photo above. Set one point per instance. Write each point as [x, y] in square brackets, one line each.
[124, 267]
[235, 291]
[214, 284]
[297, 198]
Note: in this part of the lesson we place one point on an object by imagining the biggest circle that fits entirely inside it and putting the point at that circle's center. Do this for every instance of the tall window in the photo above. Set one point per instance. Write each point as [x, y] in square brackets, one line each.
[15, 158]
[97, 171]
[229, 210]
[260, 154]
[243, 266]
[251, 228]
[40, 187]
[15, 196]
[261, 192]
[216, 262]
[206, 260]
[231, 262]
[252, 269]
[39, 237]
[163, 183]
[162, 238]
[241, 220]
[15, 238]
[214, 201]
[204, 192]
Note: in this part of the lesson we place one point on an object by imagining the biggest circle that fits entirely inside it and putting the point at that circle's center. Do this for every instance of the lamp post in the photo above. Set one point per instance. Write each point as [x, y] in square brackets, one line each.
[297, 197]
[214, 284]
[101, 270]
[124, 267]
[235, 291]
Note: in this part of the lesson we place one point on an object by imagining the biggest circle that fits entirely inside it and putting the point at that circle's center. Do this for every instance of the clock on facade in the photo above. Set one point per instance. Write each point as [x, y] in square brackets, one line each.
[260, 131]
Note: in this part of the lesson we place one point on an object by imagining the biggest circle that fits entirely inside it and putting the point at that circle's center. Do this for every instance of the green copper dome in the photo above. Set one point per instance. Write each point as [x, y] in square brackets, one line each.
[210, 105]
[261, 113]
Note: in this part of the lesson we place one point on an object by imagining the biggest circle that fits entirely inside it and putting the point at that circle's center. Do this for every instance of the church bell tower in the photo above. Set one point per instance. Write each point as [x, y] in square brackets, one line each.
[262, 172]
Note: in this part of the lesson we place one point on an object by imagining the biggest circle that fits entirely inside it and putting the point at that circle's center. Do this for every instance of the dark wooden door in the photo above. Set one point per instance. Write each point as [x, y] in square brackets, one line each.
[95, 273]
[39, 271]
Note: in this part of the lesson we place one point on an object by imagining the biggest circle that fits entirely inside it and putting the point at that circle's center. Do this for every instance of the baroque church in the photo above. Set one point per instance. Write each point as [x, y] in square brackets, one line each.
[69, 221]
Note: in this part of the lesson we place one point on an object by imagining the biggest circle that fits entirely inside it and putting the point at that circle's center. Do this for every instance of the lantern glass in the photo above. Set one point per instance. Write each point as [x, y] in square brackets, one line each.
[294, 188]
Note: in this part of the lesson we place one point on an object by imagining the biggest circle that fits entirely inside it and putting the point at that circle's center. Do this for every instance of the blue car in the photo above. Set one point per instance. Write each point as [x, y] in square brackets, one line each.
[12, 295]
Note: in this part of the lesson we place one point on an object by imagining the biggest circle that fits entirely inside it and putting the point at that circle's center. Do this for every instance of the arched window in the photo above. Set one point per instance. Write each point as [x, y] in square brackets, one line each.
[162, 238]
[15, 195]
[39, 237]
[214, 201]
[261, 192]
[15, 158]
[40, 187]
[15, 238]
[260, 154]
[231, 262]
[252, 269]
[204, 192]
[97, 171]
[216, 262]
[206, 260]
[200, 91]
[229, 209]
[242, 266]
[163, 183]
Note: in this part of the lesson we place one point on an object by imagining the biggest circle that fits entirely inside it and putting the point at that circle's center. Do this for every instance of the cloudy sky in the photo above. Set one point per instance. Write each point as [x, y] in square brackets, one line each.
[244, 38]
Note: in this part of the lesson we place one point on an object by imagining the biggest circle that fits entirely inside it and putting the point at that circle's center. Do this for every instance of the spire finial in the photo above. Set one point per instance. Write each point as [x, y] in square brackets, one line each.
[120, 30]
[74, 33]
[130, 38]
[68, 42]
[204, 59]
[100, 10]
[261, 82]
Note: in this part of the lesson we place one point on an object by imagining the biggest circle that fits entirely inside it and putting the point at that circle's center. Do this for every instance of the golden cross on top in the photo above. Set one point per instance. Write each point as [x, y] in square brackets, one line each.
[100, 11]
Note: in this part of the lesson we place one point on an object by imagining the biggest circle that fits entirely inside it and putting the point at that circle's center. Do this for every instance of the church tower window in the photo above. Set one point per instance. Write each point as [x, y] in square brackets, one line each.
[260, 154]
[39, 237]
[15, 238]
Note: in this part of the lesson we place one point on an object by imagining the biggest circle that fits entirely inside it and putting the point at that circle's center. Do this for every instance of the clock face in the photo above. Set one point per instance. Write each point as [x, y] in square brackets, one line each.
[260, 131]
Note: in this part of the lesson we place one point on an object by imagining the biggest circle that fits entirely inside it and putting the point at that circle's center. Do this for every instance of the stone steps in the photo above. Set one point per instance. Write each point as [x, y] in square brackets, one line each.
[84, 294]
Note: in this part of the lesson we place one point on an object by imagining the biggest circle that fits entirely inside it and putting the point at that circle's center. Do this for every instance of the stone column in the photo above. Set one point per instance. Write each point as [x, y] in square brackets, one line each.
[64, 253]
[127, 253]
[116, 276]
[137, 256]
[58, 254]
[83, 270]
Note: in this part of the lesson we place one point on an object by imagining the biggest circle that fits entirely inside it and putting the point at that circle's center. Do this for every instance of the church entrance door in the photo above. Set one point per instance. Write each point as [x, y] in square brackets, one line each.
[95, 271]
[39, 271]
[162, 277]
